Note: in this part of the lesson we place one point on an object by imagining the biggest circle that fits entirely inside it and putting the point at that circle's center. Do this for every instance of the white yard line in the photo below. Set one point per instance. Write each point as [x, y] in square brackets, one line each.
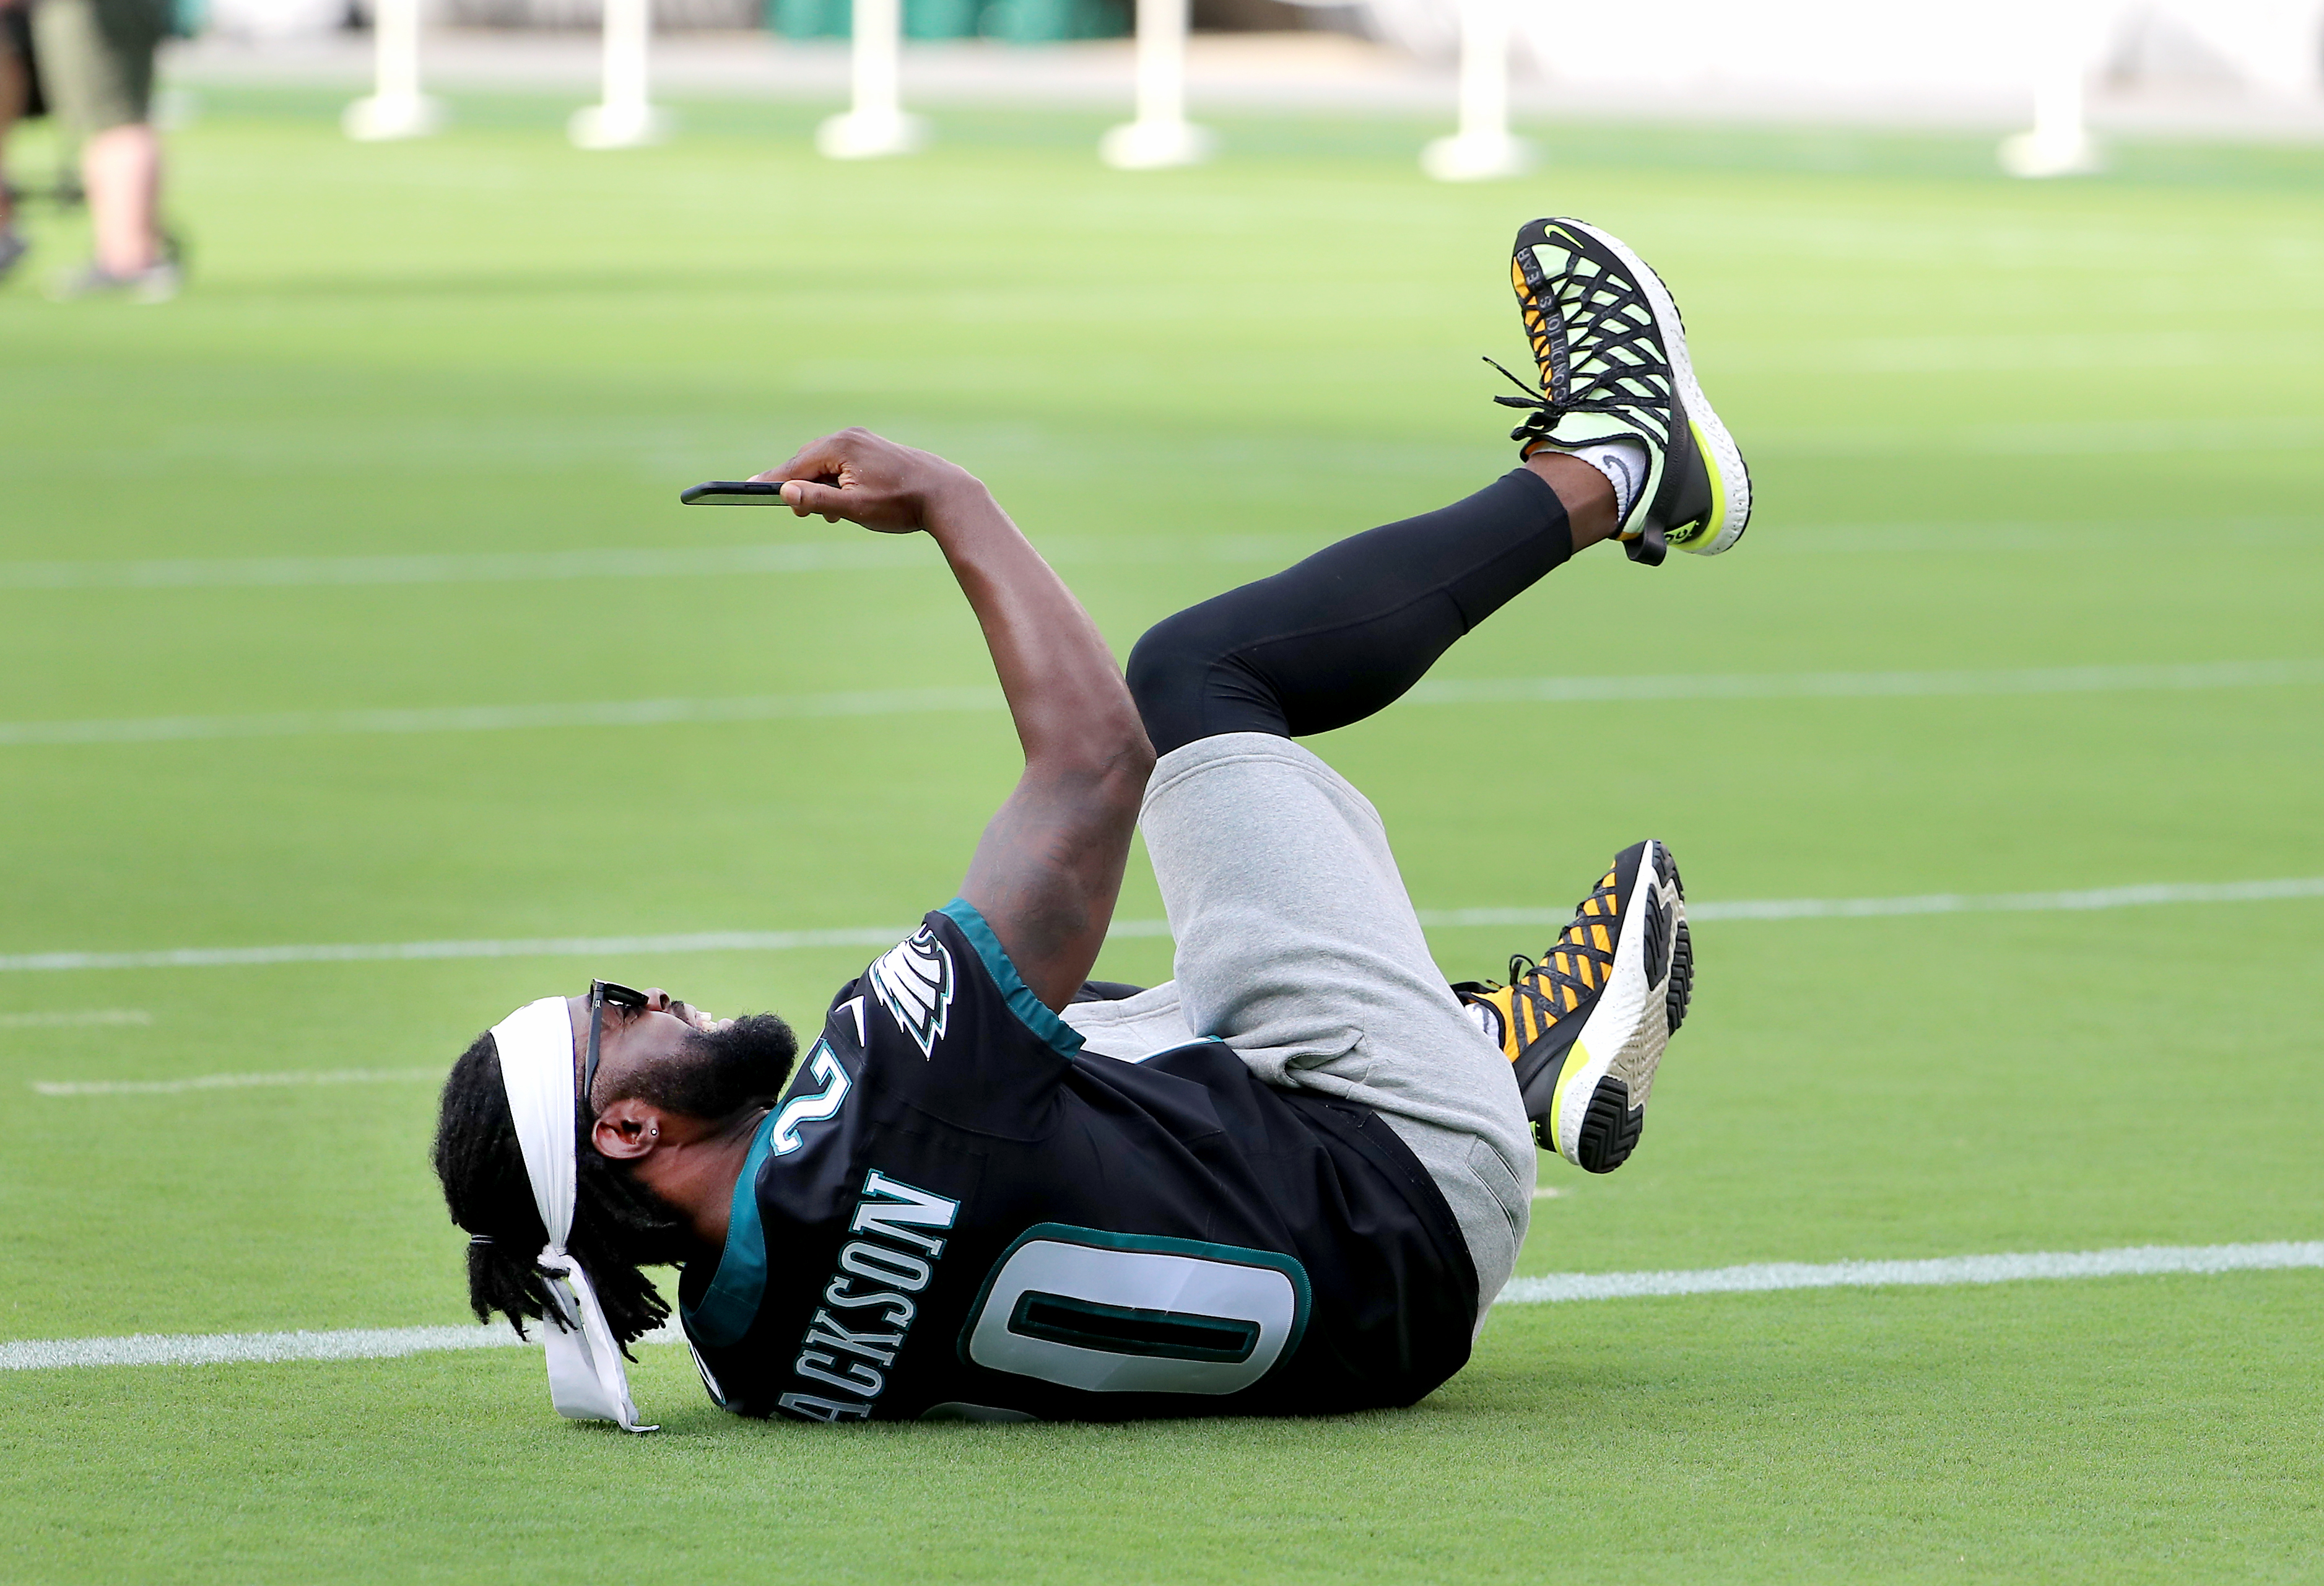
[372, 1344]
[220, 1349]
[1763, 908]
[872, 554]
[2140, 1260]
[517, 947]
[877, 702]
[2066, 439]
[235, 1081]
[2098, 897]
[502, 718]
[863, 554]
[75, 1018]
[1872, 685]
[489, 567]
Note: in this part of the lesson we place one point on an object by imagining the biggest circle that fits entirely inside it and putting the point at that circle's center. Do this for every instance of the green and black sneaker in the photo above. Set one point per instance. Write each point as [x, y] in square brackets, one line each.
[1587, 1026]
[1612, 355]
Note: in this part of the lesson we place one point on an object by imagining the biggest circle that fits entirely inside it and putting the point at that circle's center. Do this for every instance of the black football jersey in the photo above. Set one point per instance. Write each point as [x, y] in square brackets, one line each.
[956, 1212]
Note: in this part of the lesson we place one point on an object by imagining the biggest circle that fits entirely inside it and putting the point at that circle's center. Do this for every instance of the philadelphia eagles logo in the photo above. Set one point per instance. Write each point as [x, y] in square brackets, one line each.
[913, 983]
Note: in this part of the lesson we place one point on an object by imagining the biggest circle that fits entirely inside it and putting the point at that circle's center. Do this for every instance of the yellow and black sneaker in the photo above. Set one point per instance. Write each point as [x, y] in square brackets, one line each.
[1586, 1026]
[1611, 352]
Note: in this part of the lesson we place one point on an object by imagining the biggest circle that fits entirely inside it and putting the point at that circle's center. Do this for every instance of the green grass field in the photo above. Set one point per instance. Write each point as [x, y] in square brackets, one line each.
[1997, 429]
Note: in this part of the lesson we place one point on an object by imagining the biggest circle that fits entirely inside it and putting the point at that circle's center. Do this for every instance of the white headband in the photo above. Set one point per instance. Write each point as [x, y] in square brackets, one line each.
[585, 1379]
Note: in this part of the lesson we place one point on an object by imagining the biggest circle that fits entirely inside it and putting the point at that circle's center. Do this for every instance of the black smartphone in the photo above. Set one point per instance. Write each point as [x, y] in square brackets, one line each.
[734, 493]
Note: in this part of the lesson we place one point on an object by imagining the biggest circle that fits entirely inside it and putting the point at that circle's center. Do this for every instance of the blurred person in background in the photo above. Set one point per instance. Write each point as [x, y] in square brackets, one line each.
[15, 92]
[97, 66]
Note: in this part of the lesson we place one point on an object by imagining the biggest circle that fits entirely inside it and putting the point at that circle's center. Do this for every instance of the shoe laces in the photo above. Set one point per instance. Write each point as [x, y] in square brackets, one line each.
[1578, 964]
[1611, 330]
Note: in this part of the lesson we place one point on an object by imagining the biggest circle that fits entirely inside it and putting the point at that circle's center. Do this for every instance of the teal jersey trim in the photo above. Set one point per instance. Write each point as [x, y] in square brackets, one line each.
[1062, 1037]
[731, 1304]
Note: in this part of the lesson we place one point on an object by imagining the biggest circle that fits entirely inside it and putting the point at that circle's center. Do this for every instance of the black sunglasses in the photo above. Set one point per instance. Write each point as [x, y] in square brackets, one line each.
[599, 993]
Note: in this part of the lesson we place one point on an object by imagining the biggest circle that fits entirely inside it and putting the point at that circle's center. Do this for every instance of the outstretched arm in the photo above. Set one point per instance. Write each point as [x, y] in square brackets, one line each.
[1048, 868]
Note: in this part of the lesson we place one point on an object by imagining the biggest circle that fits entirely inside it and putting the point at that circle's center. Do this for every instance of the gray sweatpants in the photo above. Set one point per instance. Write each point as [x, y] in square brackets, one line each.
[1298, 947]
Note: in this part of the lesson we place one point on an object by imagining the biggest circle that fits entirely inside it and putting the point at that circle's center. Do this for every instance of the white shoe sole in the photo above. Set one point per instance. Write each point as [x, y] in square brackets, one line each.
[1601, 1101]
[1732, 513]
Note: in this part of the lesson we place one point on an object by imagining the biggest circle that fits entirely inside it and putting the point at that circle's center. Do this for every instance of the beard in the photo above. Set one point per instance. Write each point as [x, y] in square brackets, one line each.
[717, 1073]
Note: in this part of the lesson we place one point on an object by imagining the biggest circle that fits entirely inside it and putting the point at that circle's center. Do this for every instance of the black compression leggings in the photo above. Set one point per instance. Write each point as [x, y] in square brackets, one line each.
[1333, 639]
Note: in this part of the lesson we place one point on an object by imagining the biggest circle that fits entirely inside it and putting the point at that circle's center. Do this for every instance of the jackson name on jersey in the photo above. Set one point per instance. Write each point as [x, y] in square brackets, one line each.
[956, 1212]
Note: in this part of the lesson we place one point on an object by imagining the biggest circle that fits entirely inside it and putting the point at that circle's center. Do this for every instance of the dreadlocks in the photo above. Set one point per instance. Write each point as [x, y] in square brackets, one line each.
[617, 1227]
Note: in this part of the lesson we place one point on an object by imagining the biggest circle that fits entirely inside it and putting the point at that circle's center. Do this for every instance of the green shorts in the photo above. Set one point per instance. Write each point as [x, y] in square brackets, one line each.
[97, 58]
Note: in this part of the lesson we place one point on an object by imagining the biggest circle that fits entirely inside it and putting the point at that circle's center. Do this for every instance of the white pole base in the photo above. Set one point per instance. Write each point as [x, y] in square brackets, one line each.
[1477, 158]
[1156, 145]
[2044, 153]
[871, 135]
[617, 126]
[382, 117]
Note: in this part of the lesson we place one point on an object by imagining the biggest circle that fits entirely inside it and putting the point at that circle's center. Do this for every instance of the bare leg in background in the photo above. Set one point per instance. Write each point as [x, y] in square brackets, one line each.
[122, 168]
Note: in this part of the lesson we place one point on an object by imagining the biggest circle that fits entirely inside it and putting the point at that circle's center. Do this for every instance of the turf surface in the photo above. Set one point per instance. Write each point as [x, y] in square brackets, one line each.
[1993, 426]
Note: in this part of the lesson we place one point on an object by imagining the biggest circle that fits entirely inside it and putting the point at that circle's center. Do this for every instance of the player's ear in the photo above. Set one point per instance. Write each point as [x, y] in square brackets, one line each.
[628, 1130]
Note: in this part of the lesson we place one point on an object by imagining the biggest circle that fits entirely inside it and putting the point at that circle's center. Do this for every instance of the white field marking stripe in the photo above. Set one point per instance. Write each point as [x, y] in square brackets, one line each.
[880, 555]
[223, 1349]
[2292, 887]
[1872, 685]
[1928, 354]
[305, 572]
[2142, 897]
[762, 707]
[2101, 439]
[521, 948]
[225, 1081]
[864, 553]
[1989, 537]
[497, 718]
[2137, 1261]
[75, 1020]
[370, 1343]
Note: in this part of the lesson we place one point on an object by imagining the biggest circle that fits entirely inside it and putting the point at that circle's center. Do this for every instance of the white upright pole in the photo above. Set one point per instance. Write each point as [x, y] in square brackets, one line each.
[625, 118]
[2059, 143]
[1483, 147]
[1161, 134]
[396, 107]
[875, 123]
